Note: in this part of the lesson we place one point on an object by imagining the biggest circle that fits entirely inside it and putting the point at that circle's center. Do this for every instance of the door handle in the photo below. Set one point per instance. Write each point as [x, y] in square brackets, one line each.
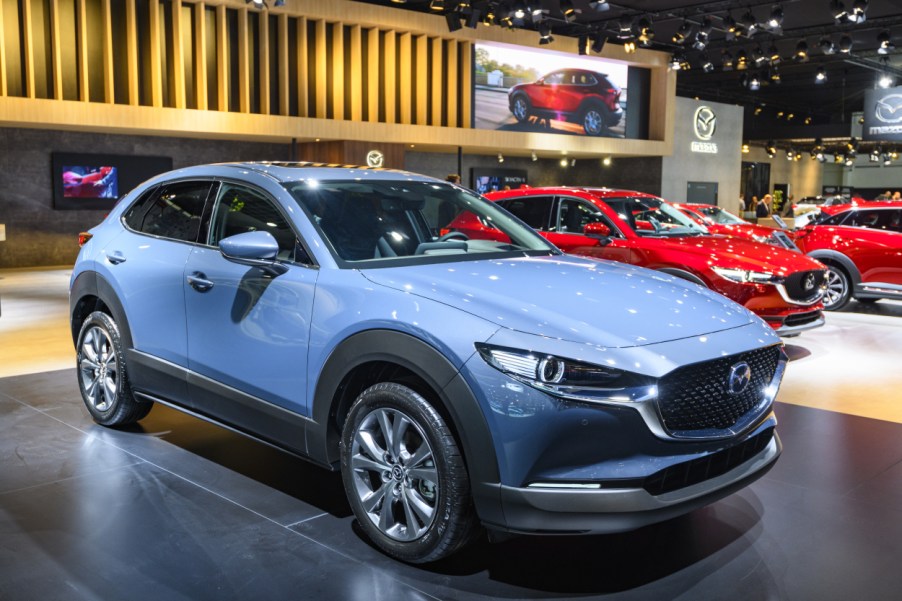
[199, 281]
[116, 257]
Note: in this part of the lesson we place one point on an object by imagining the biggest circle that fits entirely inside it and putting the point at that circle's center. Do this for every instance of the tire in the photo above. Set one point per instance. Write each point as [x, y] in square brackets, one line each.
[594, 120]
[422, 475]
[102, 375]
[839, 289]
[520, 108]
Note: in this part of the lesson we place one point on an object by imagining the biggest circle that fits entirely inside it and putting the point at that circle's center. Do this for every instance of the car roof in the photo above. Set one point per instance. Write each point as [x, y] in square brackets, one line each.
[301, 171]
[600, 193]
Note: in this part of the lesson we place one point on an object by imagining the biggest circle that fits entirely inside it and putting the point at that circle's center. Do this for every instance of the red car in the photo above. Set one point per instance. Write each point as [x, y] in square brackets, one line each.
[782, 287]
[719, 221]
[862, 249]
[574, 95]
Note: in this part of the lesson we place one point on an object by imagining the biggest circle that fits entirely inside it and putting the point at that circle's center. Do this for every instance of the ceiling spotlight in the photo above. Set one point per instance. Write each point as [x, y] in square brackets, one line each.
[645, 31]
[535, 8]
[606, 161]
[568, 10]
[436, 4]
[534, 156]
[726, 60]
[599, 5]
[826, 45]
[850, 160]
[884, 42]
[545, 36]
[774, 77]
[801, 54]
[519, 10]
[629, 47]
[838, 9]
[500, 158]
[626, 28]
[808, 120]
[821, 76]
[707, 65]
[701, 40]
[852, 144]
[859, 11]
[780, 114]
[759, 108]
[729, 23]
[754, 83]
[564, 162]
[874, 157]
[770, 148]
[745, 148]
[885, 81]
[682, 33]
[845, 44]
[742, 60]
[677, 61]
[790, 154]
[776, 17]
[598, 43]
[583, 45]
[758, 56]
[750, 23]
[573, 162]
[773, 54]
[790, 116]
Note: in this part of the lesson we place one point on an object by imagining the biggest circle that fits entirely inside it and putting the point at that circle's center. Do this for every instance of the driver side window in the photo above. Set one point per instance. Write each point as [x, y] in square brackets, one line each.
[575, 214]
[240, 209]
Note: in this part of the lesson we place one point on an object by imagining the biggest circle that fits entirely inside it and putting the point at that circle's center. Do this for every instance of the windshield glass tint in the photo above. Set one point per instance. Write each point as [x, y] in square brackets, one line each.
[384, 222]
[718, 215]
[654, 217]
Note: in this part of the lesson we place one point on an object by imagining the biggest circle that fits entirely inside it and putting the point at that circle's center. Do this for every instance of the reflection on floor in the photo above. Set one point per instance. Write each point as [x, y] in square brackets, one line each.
[179, 509]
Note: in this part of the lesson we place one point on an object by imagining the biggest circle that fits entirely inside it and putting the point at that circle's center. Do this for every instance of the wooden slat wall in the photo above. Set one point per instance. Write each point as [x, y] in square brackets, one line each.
[357, 63]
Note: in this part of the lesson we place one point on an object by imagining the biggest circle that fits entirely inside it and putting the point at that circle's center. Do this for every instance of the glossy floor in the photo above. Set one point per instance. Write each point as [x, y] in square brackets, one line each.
[180, 509]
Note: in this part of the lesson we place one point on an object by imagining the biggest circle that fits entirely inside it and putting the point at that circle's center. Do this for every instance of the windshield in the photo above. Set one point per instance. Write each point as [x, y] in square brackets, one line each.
[384, 223]
[718, 215]
[649, 216]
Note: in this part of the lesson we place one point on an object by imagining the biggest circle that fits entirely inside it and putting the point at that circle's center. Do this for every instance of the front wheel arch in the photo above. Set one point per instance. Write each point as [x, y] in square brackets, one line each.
[683, 275]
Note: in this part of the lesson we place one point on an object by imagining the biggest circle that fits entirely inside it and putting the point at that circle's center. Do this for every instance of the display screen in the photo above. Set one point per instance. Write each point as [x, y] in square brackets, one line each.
[543, 91]
[485, 180]
[97, 181]
[90, 182]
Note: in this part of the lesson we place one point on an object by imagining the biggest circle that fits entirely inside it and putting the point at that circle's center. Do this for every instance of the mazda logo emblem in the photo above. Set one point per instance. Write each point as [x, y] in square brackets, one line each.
[375, 158]
[705, 122]
[889, 109]
[808, 284]
[740, 376]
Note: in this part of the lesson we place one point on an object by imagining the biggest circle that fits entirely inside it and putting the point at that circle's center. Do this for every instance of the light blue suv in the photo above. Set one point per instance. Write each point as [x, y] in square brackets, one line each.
[455, 382]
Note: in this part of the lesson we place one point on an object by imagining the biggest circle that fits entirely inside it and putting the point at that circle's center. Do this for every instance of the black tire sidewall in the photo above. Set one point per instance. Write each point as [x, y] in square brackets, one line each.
[124, 409]
[451, 523]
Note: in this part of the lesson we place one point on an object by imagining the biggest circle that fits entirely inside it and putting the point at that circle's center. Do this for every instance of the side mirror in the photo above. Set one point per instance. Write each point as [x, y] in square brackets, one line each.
[254, 249]
[597, 230]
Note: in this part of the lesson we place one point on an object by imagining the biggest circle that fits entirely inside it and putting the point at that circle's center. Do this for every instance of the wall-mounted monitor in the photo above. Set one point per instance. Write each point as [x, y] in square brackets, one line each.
[97, 181]
[544, 91]
[486, 179]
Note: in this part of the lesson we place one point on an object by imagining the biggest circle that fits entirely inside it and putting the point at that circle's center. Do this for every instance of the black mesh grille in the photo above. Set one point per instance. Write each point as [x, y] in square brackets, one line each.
[704, 468]
[801, 319]
[697, 397]
[804, 285]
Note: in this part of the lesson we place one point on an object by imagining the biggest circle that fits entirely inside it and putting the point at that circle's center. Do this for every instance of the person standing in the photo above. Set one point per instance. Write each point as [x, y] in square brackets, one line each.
[454, 178]
[741, 204]
[762, 209]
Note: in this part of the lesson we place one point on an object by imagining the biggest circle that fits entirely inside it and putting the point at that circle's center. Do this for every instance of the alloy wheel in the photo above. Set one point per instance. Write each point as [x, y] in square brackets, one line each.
[395, 477]
[592, 122]
[836, 288]
[99, 369]
[521, 111]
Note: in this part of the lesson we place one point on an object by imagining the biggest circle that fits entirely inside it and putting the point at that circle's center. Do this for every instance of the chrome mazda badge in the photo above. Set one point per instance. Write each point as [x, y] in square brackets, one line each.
[705, 122]
[740, 376]
[808, 284]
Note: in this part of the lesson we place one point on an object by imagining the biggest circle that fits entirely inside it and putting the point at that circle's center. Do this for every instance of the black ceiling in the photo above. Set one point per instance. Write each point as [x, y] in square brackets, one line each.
[828, 106]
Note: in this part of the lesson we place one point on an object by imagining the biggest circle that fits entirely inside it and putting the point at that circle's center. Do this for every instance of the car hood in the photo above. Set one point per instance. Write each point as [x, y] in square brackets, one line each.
[741, 253]
[570, 298]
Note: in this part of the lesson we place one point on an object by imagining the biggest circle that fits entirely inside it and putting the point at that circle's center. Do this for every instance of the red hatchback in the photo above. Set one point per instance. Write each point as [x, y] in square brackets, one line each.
[862, 249]
[780, 286]
[574, 95]
[719, 221]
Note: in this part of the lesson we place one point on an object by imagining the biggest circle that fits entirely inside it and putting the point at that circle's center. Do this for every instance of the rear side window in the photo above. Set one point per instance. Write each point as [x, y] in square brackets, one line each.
[173, 211]
[532, 210]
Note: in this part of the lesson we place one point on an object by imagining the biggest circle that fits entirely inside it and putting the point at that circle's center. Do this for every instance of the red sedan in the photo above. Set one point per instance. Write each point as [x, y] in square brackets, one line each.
[719, 221]
[782, 287]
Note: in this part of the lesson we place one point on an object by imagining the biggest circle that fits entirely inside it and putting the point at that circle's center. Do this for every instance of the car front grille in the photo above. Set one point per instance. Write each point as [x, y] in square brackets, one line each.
[804, 286]
[704, 468]
[695, 400]
[801, 319]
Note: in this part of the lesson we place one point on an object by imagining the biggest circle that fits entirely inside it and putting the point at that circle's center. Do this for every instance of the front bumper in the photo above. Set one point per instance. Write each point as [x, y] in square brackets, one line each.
[580, 511]
[794, 324]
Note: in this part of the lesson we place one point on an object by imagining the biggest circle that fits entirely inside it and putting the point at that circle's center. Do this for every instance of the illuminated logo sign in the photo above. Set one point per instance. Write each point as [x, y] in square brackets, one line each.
[375, 158]
[705, 122]
[889, 109]
[740, 376]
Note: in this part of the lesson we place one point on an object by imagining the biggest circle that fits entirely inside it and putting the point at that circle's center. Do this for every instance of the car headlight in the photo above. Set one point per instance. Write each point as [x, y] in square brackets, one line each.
[569, 379]
[744, 276]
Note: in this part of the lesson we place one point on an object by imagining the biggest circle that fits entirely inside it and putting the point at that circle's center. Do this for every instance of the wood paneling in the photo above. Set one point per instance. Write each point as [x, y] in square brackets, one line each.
[345, 69]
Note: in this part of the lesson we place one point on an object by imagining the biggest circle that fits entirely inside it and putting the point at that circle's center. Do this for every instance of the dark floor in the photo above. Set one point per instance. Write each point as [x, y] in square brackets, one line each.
[179, 509]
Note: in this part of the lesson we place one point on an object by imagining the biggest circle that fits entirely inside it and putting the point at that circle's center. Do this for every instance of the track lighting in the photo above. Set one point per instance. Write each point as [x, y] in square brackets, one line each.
[742, 61]
[884, 42]
[645, 32]
[826, 46]
[801, 54]
[776, 17]
[745, 148]
[583, 45]
[859, 11]
[754, 83]
[598, 43]
[707, 65]
[534, 156]
[500, 158]
[564, 162]
[726, 60]
[629, 47]
[838, 9]
[682, 33]
[773, 54]
[606, 161]
[821, 76]
[845, 44]
[625, 28]
[453, 21]
[750, 23]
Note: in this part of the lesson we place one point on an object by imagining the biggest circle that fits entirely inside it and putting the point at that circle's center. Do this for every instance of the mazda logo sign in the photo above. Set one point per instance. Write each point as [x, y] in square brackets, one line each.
[889, 109]
[808, 284]
[740, 376]
[705, 122]
[375, 158]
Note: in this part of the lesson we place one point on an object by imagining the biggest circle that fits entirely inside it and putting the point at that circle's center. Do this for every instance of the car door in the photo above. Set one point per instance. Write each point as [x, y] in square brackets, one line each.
[148, 260]
[874, 242]
[570, 217]
[248, 332]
